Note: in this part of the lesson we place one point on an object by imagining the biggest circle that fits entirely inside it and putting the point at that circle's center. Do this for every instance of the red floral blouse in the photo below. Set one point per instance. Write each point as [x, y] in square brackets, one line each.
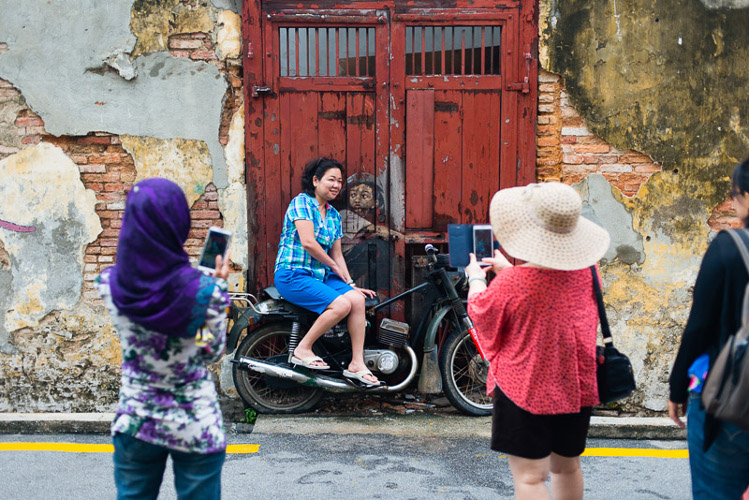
[538, 330]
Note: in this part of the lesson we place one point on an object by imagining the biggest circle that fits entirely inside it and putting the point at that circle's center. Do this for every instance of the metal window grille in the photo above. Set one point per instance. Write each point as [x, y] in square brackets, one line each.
[342, 51]
[453, 50]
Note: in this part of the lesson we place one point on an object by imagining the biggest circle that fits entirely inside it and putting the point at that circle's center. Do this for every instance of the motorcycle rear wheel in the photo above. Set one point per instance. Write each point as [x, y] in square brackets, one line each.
[464, 374]
[253, 388]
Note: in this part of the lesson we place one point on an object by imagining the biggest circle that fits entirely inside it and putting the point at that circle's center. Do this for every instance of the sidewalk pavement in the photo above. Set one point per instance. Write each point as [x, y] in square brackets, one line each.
[397, 425]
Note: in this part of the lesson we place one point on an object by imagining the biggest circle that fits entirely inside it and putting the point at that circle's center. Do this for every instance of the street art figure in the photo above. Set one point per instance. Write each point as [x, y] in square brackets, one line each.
[365, 243]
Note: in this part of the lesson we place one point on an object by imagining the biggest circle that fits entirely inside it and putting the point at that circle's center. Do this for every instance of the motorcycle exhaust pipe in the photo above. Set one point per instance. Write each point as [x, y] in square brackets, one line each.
[271, 370]
[318, 380]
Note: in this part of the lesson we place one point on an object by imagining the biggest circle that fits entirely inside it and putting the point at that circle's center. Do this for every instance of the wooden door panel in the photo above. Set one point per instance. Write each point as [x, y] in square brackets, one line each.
[420, 159]
[480, 165]
[448, 157]
[332, 125]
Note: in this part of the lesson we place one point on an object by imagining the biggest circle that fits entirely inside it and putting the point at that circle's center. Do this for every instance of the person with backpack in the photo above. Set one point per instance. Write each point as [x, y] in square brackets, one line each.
[718, 450]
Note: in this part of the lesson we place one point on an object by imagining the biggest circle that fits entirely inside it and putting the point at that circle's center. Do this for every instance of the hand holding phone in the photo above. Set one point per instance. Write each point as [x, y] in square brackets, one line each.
[216, 245]
[483, 243]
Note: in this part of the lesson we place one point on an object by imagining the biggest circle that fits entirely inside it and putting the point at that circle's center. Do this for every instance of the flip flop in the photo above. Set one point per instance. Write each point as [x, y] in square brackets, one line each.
[307, 362]
[360, 377]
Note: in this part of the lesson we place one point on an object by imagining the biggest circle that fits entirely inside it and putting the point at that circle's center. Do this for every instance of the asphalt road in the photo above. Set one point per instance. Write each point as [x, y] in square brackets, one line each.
[347, 466]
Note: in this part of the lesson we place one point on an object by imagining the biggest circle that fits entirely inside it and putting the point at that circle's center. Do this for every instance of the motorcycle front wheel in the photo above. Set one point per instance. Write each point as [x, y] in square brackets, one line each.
[260, 392]
[464, 374]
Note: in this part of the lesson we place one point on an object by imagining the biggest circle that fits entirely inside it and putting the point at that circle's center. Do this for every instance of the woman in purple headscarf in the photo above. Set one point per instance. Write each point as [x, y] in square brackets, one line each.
[171, 320]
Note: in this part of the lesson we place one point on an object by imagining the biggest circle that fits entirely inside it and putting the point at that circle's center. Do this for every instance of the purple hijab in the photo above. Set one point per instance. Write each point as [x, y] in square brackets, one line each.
[153, 282]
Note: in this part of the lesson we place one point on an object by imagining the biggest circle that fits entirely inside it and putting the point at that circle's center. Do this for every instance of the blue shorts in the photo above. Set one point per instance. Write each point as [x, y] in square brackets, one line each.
[300, 287]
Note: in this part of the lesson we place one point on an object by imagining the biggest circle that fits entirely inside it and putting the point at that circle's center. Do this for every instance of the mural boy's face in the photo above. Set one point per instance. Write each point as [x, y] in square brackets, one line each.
[361, 198]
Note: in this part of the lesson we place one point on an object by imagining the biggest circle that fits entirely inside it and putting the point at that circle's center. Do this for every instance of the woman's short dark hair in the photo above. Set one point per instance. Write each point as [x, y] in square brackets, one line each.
[740, 179]
[317, 168]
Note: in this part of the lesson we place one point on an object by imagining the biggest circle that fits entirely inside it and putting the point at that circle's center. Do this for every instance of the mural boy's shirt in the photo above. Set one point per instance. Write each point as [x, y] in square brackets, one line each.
[167, 396]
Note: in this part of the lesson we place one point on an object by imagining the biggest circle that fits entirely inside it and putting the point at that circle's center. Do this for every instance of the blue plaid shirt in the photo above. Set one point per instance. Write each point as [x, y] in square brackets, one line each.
[291, 253]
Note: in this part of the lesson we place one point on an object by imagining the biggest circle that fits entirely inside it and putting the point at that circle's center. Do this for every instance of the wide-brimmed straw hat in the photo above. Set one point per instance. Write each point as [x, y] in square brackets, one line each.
[541, 224]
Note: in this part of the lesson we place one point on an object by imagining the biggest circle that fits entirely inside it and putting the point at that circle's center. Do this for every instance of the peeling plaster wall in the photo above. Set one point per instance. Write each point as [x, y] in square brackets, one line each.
[48, 219]
[115, 92]
[187, 163]
[75, 72]
[666, 79]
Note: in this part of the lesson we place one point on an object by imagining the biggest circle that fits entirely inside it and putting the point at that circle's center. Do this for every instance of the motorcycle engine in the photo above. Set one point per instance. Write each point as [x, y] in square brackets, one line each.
[393, 333]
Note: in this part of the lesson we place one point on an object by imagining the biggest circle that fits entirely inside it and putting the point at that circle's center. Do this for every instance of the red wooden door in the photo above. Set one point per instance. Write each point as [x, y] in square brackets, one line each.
[326, 97]
[431, 110]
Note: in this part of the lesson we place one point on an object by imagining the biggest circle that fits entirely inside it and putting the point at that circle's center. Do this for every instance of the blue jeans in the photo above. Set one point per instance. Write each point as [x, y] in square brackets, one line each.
[139, 469]
[721, 473]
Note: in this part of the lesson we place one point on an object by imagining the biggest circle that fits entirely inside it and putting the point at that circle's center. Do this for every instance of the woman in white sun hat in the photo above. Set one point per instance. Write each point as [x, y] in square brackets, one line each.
[537, 323]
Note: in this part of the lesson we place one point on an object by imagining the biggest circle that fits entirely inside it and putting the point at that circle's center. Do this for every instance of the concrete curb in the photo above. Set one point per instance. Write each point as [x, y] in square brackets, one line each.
[430, 426]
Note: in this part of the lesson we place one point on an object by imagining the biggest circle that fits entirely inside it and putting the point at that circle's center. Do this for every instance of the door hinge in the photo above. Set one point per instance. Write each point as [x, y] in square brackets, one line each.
[523, 86]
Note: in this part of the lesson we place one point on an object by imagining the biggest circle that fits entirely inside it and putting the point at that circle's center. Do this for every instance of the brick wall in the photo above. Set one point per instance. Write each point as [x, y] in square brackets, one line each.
[567, 151]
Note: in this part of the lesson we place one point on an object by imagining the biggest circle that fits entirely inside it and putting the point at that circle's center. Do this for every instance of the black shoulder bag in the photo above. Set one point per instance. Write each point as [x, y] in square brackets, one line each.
[616, 380]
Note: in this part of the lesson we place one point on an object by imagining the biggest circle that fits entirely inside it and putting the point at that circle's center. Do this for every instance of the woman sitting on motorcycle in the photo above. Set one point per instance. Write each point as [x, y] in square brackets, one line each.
[311, 272]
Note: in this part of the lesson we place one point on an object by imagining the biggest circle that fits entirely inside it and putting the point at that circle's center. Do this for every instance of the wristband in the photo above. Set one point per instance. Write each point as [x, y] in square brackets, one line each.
[350, 282]
[476, 279]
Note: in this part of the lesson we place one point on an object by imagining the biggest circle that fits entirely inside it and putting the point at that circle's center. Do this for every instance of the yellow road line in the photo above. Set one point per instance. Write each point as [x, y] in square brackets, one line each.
[635, 452]
[100, 448]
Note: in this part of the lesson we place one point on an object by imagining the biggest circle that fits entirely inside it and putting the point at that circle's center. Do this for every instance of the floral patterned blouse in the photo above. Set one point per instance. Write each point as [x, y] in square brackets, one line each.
[167, 396]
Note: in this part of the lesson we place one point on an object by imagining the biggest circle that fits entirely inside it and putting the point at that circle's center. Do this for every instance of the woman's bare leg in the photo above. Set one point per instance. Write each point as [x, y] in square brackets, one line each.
[529, 477]
[335, 312]
[566, 478]
[357, 325]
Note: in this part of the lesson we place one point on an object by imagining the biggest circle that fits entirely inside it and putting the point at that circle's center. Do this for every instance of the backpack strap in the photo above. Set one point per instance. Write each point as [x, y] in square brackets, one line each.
[739, 239]
[605, 330]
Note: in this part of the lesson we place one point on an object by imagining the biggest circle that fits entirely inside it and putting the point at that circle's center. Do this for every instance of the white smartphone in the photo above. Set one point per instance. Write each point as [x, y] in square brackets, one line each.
[216, 244]
[483, 242]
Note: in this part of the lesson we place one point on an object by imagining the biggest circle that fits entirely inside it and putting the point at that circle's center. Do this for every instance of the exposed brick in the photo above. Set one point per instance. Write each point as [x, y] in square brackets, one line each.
[105, 242]
[114, 186]
[578, 131]
[543, 120]
[200, 205]
[598, 159]
[616, 167]
[29, 121]
[544, 77]
[211, 195]
[89, 258]
[547, 87]
[106, 258]
[547, 141]
[110, 233]
[110, 197]
[92, 168]
[184, 54]
[109, 250]
[203, 55]
[95, 186]
[184, 43]
[127, 177]
[634, 158]
[94, 140]
[545, 98]
[205, 214]
[646, 168]
[116, 205]
[571, 159]
[592, 148]
[32, 139]
[546, 108]
[568, 140]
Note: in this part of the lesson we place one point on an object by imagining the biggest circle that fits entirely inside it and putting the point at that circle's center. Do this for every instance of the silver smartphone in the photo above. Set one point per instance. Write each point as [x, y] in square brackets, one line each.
[216, 244]
[483, 241]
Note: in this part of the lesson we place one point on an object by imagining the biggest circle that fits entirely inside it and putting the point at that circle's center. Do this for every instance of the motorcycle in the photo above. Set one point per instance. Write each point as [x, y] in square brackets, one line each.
[441, 349]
